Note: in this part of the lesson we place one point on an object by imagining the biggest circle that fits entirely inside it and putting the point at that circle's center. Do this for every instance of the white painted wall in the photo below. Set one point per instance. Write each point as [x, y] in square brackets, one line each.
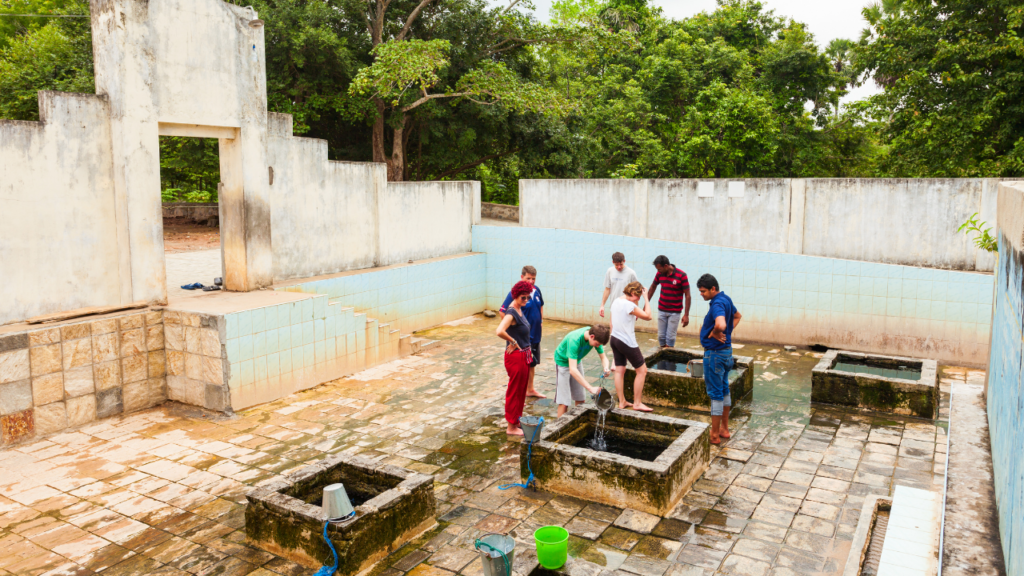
[675, 212]
[323, 214]
[897, 221]
[58, 240]
[330, 217]
[420, 220]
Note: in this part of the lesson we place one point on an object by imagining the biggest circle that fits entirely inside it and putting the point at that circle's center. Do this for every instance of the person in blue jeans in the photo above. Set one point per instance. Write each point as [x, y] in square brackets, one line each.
[534, 313]
[716, 338]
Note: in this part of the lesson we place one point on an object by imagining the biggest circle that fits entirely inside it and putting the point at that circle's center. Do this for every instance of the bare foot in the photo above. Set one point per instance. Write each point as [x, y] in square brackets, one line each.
[641, 407]
[624, 405]
[514, 431]
[534, 394]
[716, 440]
[724, 433]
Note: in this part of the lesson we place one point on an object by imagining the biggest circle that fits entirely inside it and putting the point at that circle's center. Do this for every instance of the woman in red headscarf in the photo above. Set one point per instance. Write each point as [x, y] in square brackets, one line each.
[515, 329]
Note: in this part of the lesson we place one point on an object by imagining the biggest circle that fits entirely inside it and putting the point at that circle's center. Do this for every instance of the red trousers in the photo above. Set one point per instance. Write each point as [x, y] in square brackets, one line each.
[517, 365]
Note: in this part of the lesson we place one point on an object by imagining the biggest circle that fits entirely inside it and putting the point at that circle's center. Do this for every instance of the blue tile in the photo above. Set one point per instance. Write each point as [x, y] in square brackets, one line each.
[231, 326]
[245, 347]
[244, 323]
[258, 320]
[284, 338]
[308, 333]
[307, 310]
[285, 359]
[259, 345]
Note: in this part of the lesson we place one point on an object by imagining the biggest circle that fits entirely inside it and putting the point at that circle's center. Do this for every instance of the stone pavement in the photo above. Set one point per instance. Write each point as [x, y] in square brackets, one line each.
[188, 267]
[162, 491]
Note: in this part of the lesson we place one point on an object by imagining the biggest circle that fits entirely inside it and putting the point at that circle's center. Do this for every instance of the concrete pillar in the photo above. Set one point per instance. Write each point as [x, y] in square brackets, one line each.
[120, 44]
[795, 226]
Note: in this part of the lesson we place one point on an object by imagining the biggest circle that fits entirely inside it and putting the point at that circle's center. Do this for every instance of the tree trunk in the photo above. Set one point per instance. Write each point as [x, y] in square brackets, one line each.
[396, 167]
[378, 132]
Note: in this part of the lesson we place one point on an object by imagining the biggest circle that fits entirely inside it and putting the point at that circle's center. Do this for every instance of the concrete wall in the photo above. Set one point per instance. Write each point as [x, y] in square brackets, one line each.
[58, 227]
[324, 214]
[420, 220]
[330, 217]
[890, 221]
[1006, 375]
[784, 298]
[499, 212]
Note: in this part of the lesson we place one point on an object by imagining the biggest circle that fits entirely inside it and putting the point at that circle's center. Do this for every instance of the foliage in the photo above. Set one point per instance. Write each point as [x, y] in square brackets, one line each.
[953, 73]
[189, 169]
[42, 54]
[445, 89]
[982, 239]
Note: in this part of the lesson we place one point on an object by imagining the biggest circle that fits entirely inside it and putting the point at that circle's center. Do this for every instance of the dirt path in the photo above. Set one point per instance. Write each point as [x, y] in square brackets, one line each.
[183, 236]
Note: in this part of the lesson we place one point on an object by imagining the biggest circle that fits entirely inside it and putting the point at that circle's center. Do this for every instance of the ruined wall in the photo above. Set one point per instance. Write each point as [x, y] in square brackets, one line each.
[1006, 375]
[890, 221]
[784, 298]
[323, 213]
[421, 220]
[329, 217]
[59, 241]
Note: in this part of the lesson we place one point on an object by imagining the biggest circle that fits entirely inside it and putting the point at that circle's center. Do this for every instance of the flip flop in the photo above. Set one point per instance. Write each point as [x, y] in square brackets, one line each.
[193, 286]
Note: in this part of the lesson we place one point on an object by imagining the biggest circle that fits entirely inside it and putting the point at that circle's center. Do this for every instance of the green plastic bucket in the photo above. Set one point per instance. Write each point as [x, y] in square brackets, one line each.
[552, 546]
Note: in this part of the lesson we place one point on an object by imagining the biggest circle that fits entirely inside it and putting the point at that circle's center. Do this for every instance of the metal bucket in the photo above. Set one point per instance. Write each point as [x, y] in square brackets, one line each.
[494, 563]
[696, 368]
[336, 503]
[603, 400]
[532, 427]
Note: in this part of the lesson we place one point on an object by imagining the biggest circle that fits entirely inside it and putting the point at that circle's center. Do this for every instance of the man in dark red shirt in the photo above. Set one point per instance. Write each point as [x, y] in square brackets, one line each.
[675, 288]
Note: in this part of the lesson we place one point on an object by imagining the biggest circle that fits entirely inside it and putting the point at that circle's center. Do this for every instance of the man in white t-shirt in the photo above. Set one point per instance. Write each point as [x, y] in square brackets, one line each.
[615, 279]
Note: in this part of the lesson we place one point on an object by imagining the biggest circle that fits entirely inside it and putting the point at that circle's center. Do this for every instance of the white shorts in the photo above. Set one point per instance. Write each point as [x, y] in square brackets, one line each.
[567, 388]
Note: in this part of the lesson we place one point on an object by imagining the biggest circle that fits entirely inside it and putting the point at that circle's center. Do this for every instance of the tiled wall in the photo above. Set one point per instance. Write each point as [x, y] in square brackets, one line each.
[195, 359]
[351, 321]
[55, 377]
[410, 296]
[1006, 403]
[784, 298]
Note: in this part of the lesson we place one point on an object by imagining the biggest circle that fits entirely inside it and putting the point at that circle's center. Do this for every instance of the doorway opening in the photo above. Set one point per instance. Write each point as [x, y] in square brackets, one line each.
[189, 191]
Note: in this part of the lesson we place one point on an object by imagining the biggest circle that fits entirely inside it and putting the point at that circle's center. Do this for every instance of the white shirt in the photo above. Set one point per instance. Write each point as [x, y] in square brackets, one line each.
[624, 322]
[617, 281]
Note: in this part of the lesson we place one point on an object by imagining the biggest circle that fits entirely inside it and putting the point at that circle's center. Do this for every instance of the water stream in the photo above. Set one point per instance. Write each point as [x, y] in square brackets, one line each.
[598, 442]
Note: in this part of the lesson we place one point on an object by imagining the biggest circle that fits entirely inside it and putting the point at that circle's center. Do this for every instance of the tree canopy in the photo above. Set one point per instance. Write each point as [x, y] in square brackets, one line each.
[461, 89]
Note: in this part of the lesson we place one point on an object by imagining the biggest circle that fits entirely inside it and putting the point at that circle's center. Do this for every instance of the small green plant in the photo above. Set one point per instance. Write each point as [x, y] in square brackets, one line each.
[169, 194]
[983, 240]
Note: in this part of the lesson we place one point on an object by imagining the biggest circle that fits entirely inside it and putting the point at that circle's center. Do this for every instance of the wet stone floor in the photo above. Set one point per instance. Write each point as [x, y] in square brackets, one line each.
[162, 491]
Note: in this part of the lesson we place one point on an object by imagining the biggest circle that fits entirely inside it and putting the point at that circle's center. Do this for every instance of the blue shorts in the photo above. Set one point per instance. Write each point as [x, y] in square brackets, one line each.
[717, 364]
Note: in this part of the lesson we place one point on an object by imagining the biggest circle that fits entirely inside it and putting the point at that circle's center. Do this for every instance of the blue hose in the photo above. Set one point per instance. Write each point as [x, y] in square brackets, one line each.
[529, 453]
[330, 570]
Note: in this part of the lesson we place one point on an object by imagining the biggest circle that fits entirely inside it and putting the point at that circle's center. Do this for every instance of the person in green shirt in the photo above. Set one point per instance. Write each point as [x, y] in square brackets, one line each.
[570, 381]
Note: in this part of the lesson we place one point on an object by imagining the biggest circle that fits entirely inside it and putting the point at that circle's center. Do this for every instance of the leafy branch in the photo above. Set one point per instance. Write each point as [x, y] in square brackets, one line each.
[983, 239]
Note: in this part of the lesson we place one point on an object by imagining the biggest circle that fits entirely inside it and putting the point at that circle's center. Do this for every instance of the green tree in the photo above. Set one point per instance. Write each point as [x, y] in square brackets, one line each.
[953, 78]
[43, 54]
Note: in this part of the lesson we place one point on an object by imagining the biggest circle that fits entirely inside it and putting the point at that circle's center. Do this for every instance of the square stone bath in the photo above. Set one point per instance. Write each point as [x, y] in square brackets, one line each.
[905, 386]
[393, 505]
[677, 451]
[668, 383]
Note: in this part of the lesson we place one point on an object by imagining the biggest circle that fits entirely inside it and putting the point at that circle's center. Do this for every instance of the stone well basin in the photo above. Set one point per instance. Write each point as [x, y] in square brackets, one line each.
[875, 392]
[679, 390]
[392, 506]
[617, 480]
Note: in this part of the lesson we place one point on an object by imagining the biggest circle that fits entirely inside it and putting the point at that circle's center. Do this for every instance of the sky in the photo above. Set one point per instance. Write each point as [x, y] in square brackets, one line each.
[826, 20]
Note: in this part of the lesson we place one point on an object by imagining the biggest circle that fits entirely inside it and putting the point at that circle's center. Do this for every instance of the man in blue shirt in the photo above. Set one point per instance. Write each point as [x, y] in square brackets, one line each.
[534, 312]
[716, 338]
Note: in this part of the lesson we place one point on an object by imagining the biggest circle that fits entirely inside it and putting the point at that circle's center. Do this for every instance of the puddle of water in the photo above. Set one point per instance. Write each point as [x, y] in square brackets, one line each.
[904, 372]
